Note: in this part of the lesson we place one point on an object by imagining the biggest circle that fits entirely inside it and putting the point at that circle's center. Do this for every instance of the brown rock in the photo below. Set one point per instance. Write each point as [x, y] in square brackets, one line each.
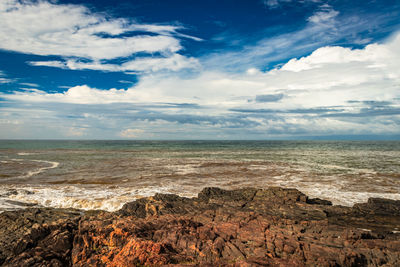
[247, 227]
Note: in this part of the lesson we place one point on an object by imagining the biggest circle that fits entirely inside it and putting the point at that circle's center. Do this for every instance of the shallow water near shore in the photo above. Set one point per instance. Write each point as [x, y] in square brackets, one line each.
[107, 174]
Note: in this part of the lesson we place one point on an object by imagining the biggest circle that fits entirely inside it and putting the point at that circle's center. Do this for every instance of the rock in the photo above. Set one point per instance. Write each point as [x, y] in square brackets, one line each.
[380, 206]
[319, 201]
[24, 228]
[244, 227]
[45, 245]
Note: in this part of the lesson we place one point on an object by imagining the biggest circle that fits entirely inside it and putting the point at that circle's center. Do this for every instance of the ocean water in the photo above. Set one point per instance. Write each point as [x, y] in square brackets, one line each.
[107, 174]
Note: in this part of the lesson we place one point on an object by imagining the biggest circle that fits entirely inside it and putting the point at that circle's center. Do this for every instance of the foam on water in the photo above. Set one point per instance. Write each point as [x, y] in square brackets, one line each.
[26, 168]
[52, 164]
[183, 169]
[345, 198]
[113, 198]
[110, 199]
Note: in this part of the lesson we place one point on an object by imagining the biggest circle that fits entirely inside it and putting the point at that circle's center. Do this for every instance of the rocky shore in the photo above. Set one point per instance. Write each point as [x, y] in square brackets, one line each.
[246, 227]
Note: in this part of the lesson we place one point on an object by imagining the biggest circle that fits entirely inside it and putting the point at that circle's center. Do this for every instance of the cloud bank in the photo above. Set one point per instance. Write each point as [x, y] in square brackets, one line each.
[334, 90]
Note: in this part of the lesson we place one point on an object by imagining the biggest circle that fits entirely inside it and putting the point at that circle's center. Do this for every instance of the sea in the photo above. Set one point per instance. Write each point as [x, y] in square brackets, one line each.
[106, 174]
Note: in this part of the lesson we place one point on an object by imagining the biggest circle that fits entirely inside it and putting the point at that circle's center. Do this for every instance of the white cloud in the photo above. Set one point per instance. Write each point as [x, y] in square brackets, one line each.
[75, 132]
[325, 15]
[52, 63]
[376, 54]
[329, 76]
[334, 90]
[44, 28]
[131, 133]
[145, 64]
[30, 84]
[3, 78]
[78, 94]
[271, 3]
[324, 27]
[276, 3]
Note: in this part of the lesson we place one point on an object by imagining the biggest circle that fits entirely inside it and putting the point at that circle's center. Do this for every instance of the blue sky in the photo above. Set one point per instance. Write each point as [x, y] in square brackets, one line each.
[262, 69]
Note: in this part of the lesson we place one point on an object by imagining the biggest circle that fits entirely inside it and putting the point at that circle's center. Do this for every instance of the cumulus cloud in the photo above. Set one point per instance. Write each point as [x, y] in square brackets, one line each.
[376, 55]
[360, 74]
[44, 28]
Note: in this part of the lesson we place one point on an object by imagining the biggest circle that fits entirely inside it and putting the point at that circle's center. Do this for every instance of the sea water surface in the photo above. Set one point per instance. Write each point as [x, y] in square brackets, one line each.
[107, 174]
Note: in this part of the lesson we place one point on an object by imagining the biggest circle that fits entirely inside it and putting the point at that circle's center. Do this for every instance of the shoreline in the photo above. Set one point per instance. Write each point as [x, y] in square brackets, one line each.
[257, 227]
[112, 198]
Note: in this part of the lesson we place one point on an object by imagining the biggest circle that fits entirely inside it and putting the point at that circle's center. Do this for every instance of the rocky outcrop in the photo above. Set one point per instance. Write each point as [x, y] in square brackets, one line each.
[246, 227]
[37, 236]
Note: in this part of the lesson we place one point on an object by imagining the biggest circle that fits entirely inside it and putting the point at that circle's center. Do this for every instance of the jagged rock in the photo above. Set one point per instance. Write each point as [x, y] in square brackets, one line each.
[245, 227]
[22, 229]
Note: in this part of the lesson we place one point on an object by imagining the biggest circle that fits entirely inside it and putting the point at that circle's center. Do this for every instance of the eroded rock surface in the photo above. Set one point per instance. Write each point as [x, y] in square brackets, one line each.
[246, 227]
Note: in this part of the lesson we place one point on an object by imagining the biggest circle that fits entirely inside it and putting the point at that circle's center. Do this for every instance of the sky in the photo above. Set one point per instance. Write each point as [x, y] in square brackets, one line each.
[185, 69]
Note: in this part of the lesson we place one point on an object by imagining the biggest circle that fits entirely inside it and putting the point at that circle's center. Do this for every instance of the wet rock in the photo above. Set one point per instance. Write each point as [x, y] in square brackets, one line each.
[245, 227]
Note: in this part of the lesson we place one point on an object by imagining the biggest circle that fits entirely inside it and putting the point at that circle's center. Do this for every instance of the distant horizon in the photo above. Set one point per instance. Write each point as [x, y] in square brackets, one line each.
[303, 138]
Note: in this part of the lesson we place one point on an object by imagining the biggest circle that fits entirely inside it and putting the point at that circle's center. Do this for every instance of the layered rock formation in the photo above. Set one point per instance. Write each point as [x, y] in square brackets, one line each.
[247, 227]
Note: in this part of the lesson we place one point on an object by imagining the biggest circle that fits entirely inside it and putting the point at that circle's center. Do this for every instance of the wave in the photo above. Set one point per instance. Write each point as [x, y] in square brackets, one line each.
[94, 198]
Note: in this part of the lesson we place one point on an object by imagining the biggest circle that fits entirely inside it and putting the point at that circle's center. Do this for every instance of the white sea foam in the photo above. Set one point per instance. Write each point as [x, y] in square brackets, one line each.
[26, 153]
[113, 198]
[258, 167]
[345, 198]
[53, 164]
[110, 199]
[182, 169]
[5, 205]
